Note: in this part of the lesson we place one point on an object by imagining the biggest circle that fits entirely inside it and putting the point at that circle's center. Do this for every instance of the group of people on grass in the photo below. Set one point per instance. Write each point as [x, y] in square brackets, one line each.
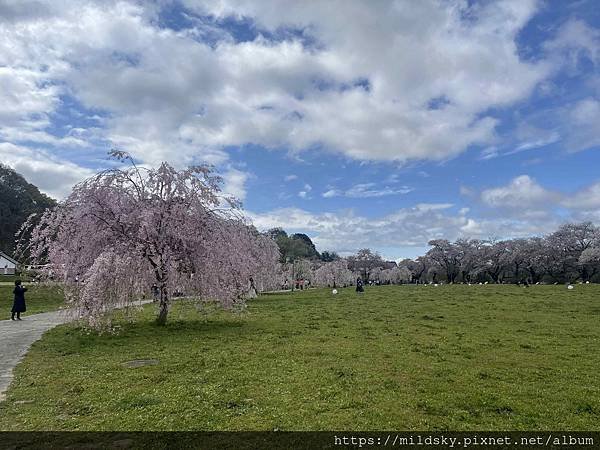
[300, 284]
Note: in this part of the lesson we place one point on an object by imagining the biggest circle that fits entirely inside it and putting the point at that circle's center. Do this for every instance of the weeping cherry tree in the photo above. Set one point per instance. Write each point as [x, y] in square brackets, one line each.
[124, 229]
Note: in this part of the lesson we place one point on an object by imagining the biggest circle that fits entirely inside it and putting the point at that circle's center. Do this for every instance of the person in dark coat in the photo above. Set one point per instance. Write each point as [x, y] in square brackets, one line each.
[359, 285]
[155, 292]
[19, 302]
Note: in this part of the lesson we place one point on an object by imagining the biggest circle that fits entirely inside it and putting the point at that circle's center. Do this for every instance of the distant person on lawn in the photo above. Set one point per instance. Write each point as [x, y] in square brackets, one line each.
[359, 285]
[19, 302]
[155, 292]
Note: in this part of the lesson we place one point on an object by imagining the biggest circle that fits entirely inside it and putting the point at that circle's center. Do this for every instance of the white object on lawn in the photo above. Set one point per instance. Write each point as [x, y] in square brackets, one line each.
[334, 291]
[570, 286]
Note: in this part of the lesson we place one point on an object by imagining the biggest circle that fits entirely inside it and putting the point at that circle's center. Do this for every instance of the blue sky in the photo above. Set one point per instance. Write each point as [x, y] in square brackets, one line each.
[362, 124]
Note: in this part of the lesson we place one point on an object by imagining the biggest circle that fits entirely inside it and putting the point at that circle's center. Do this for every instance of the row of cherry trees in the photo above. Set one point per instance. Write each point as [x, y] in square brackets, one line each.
[570, 254]
[366, 264]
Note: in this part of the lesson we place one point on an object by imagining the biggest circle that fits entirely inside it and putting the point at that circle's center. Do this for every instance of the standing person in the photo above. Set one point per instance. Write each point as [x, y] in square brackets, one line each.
[359, 285]
[252, 291]
[19, 302]
[155, 292]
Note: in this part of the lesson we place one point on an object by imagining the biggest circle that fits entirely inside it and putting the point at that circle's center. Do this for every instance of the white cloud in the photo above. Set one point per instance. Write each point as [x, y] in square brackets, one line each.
[332, 193]
[305, 193]
[582, 123]
[575, 40]
[366, 190]
[536, 143]
[466, 191]
[522, 208]
[522, 193]
[51, 175]
[346, 232]
[524, 197]
[574, 52]
[573, 125]
[291, 177]
[235, 183]
[587, 198]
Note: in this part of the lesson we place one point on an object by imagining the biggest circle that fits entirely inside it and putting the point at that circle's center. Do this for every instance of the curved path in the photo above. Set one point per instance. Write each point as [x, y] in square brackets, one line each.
[17, 336]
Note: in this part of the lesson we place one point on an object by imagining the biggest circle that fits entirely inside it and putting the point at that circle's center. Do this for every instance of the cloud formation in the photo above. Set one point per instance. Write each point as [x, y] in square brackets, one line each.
[234, 183]
[355, 82]
[523, 192]
[366, 190]
[521, 208]
[367, 81]
[50, 174]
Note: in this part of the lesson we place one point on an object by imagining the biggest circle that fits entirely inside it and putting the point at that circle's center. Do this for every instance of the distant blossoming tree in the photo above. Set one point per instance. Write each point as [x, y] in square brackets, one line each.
[264, 253]
[590, 259]
[301, 269]
[395, 275]
[364, 262]
[334, 274]
[124, 229]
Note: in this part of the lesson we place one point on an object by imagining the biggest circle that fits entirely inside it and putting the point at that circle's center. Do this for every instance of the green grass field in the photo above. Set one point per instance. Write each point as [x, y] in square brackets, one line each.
[396, 358]
[38, 298]
[6, 279]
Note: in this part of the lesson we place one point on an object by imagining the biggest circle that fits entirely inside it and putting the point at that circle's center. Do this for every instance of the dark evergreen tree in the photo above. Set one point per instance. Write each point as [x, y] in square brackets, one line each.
[328, 256]
[18, 200]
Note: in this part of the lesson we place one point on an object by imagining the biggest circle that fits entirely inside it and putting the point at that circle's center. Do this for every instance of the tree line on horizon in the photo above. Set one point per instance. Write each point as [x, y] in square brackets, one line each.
[569, 254]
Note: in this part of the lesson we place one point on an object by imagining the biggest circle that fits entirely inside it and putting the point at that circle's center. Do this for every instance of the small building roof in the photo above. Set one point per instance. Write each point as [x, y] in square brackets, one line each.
[5, 256]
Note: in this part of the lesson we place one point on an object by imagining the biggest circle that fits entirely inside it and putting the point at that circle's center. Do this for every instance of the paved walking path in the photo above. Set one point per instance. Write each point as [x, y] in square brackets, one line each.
[17, 336]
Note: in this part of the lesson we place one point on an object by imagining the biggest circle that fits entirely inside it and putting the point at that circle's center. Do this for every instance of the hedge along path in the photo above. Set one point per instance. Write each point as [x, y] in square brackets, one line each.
[17, 336]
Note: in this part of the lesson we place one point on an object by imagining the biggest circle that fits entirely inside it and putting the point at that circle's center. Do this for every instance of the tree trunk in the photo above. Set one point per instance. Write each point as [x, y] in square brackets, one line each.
[163, 309]
[495, 276]
[532, 275]
[584, 274]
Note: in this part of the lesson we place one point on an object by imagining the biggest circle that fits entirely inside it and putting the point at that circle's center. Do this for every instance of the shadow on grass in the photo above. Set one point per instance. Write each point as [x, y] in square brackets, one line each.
[184, 327]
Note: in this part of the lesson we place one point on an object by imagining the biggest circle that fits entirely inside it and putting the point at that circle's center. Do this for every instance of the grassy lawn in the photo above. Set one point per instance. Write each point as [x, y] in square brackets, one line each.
[9, 279]
[38, 298]
[407, 357]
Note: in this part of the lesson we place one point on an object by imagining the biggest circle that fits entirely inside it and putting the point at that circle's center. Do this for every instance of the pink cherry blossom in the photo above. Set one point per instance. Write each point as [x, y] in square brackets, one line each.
[124, 229]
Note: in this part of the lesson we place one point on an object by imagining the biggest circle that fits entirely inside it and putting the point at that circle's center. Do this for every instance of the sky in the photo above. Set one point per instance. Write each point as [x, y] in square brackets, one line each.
[362, 124]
